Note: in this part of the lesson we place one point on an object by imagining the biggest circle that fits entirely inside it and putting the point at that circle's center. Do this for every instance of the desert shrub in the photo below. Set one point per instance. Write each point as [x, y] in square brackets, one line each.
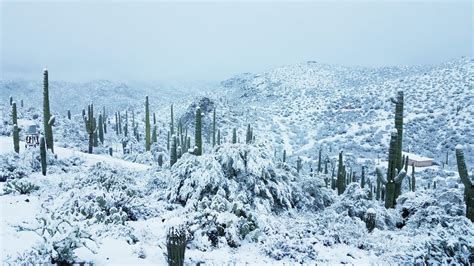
[19, 186]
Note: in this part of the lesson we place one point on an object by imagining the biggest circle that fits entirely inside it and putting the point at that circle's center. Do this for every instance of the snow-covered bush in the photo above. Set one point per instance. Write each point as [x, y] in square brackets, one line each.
[60, 237]
[19, 186]
[224, 192]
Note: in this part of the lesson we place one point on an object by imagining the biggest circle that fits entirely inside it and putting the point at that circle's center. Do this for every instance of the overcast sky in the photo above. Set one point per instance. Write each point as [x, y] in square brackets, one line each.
[205, 41]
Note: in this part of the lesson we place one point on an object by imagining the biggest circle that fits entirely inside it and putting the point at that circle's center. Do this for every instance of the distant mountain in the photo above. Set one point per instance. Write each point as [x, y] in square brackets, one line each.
[306, 105]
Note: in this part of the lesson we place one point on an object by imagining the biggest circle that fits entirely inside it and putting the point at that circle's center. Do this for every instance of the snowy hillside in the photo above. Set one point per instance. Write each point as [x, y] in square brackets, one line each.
[287, 172]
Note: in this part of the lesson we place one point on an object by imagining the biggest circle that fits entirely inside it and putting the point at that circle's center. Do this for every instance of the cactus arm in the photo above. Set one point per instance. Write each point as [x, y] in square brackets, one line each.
[399, 178]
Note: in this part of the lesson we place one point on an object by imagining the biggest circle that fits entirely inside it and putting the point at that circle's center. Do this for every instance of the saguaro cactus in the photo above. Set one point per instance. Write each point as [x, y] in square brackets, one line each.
[176, 246]
[154, 135]
[43, 155]
[125, 127]
[298, 164]
[362, 178]
[198, 132]
[399, 127]
[69, 114]
[249, 138]
[284, 156]
[219, 137]
[341, 175]
[467, 182]
[234, 136]
[90, 125]
[174, 152]
[214, 128]
[16, 138]
[104, 118]
[48, 129]
[147, 125]
[413, 180]
[14, 114]
[101, 129]
[394, 176]
[319, 161]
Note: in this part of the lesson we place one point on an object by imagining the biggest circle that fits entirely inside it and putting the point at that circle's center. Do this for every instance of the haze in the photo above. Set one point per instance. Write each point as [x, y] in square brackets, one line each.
[194, 41]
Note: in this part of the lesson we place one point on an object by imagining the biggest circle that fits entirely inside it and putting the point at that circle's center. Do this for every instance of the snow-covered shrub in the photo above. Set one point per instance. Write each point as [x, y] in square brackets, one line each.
[356, 202]
[19, 186]
[60, 237]
[244, 173]
[224, 192]
[14, 165]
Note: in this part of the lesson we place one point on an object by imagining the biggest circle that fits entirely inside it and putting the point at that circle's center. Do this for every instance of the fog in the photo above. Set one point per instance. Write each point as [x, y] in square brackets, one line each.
[208, 41]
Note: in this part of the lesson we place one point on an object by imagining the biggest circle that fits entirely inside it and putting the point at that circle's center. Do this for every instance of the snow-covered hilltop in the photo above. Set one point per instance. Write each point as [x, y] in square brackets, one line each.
[270, 168]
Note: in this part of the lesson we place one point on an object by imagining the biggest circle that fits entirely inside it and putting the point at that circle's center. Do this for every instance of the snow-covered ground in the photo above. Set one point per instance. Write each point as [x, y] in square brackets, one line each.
[239, 203]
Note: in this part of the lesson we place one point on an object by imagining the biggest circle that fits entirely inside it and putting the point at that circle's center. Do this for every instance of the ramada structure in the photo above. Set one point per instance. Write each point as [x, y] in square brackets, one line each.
[417, 160]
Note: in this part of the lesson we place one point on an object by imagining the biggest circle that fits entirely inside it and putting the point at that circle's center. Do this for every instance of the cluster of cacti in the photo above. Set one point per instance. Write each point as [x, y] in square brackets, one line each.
[341, 175]
[47, 122]
[43, 155]
[395, 171]
[467, 182]
[176, 246]
[16, 130]
[147, 125]
[91, 125]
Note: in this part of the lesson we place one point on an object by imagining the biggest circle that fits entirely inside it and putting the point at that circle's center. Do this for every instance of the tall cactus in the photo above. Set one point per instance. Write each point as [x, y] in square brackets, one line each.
[14, 114]
[467, 182]
[341, 175]
[11, 100]
[234, 135]
[248, 138]
[48, 129]
[319, 161]
[69, 114]
[362, 178]
[90, 125]
[214, 128]
[16, 138]
[125, 127]
[174, 152]
[198, 132]
[399, 127]
[104, 118]
[219, 137]
[101, 129]
[394, 176]
[43, 155]
[154, 135]
[284, 156]
[147, 125]
[413, 180]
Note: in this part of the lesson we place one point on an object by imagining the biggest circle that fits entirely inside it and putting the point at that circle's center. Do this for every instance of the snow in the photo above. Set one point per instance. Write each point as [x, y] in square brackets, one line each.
[239, 203]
